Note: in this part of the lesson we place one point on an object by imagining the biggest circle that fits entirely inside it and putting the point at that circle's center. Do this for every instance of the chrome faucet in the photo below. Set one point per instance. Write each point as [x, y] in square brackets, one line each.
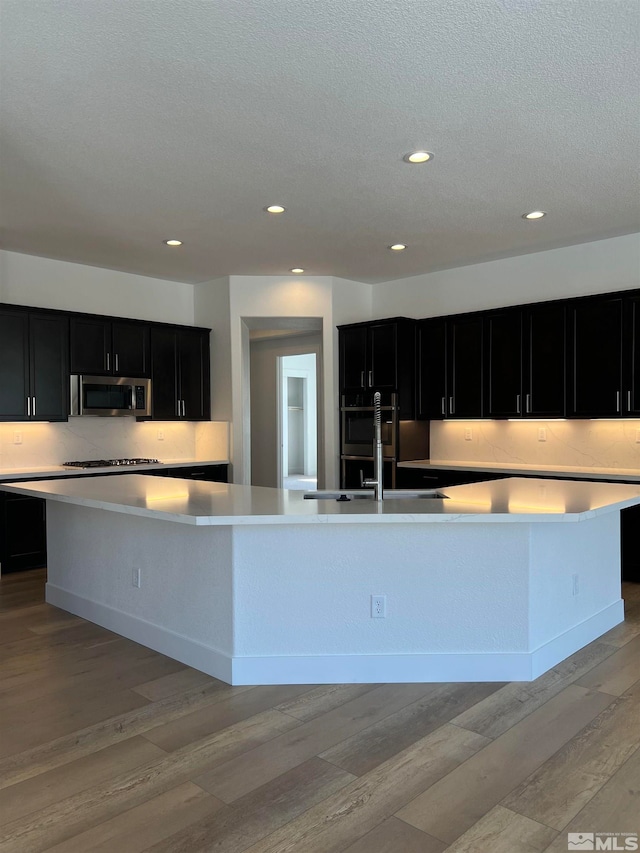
[378, 465]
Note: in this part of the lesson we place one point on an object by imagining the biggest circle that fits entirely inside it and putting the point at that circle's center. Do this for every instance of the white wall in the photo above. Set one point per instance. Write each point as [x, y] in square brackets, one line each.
[46, 283]
[330, 300]
[598, 267]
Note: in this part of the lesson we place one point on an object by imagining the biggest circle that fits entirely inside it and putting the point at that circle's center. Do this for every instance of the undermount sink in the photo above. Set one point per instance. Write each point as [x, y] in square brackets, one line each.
[368, 495]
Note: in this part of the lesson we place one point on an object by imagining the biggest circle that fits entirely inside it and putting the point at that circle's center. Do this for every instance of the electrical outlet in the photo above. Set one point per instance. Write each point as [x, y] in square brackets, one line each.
[575, 582]
[160, 435]
[17, 438]
[468, 434]
[135, 578]
[542, 434]
[378, 606]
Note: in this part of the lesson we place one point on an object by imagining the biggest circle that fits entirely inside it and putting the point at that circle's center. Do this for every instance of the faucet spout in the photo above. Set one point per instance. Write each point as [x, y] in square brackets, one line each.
[378, 464]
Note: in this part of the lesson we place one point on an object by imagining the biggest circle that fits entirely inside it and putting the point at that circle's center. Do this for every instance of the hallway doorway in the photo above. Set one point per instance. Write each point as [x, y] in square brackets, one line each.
[298, 419]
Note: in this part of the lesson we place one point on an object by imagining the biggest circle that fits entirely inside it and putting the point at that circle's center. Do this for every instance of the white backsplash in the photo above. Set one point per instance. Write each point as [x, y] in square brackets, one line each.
[589, 444]
[46, 444]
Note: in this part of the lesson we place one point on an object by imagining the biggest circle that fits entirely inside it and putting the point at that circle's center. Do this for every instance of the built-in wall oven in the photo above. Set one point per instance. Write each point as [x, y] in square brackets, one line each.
[357, 434]
[357, 429]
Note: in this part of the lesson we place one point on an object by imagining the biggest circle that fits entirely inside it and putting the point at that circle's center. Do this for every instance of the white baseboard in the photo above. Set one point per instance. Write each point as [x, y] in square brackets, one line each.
[341, 669]
[175, 646]
[551, 653]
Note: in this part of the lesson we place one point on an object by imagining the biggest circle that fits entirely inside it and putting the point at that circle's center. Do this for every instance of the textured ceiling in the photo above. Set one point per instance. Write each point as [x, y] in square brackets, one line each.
[124, 123]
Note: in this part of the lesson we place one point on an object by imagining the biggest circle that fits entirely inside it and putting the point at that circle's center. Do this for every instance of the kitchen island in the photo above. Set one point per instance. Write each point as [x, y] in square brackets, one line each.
[498, 581]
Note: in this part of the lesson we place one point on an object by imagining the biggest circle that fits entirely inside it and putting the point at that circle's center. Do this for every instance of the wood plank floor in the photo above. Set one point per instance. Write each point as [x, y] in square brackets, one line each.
[108, 746]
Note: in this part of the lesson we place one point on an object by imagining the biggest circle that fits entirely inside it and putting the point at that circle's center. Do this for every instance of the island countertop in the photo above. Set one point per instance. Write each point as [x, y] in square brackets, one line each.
[214, 504]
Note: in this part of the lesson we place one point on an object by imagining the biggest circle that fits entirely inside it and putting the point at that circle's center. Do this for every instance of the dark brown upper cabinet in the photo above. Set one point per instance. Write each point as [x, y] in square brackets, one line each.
[380, 356]
[631, 366]
[596, 365]
[503, 361]
[104, 347]
[34, 366]
[525, 362]
[450, 367]
[180, 374]
[432, 368]
[465, 374]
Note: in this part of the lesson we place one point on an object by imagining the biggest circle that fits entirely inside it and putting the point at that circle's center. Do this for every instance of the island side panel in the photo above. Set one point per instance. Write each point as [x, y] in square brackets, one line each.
[183, 607]
[457, 602]
[575, 586]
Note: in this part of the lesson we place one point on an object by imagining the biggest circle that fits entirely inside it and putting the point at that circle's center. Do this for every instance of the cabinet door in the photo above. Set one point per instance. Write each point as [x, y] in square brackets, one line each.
[23, 528]
[464, 367]
[432, 369]
[164, 374]
[91, 346]
[631, 391]
[597, 358]
[353, 358]
[193, 386]
[49, 367]
[545, 361]
[382, 369]
[130, 349]
[503, 364]
[14, 365]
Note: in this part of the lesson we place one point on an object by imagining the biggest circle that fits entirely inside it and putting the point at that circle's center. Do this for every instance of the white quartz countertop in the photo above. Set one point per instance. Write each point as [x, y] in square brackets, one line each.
[203, 503]
[55, 471]
[515, 468]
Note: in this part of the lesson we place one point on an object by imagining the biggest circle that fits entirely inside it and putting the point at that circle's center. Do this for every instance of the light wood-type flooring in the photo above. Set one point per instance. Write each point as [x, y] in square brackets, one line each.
[108, 746]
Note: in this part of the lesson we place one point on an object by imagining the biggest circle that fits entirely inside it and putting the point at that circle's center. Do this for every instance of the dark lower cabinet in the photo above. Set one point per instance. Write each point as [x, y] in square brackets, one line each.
[23, 532]
[630, 543]
[420, 478]
[208, 473]
[354, 471]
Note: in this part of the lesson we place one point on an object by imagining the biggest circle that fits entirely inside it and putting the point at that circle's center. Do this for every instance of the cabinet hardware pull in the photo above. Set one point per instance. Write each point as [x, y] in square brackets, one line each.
[518, 403]
[629, 400]
[184, 413]
[28, 407]
[34, 407]
[444, 405]
[617, 401]
[362, 378]
[108, 362]
[528, 403]
[371, 379]
[451, 406]
[116, 356]
[178, 407]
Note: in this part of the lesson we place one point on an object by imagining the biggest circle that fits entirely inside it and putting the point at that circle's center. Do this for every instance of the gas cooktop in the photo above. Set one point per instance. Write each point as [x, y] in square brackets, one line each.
[109, 463]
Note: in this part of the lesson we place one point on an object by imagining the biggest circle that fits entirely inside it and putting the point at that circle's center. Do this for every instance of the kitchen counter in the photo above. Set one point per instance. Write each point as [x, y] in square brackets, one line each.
[206, 504]
[11, 475]
[514, 468]
[499, 582]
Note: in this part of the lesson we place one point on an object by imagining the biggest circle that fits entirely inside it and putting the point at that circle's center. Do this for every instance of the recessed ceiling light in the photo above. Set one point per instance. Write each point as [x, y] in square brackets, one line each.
[275, 208]
[535, 214]
[172, 242]
[397, 247]
[297, 270]
[418, 157]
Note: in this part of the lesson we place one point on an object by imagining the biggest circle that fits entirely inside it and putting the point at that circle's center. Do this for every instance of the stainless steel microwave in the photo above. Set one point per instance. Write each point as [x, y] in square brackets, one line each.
[109, 396]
